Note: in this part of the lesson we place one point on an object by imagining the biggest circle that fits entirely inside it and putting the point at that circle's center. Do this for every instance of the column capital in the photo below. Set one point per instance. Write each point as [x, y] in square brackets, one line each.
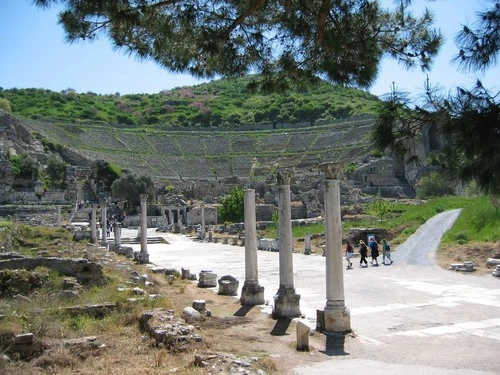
[283, 176]
[331, 169]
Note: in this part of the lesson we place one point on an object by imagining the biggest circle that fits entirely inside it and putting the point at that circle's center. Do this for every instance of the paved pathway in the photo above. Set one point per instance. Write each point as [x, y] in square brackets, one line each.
[410, 317]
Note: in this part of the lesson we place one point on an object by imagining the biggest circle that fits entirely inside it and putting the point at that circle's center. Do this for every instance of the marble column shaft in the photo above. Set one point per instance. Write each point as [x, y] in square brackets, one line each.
[93, 224]
[252, 293]
[202, 233]
[286, 301]
[104, 234]
[144, 223]
[337, 316]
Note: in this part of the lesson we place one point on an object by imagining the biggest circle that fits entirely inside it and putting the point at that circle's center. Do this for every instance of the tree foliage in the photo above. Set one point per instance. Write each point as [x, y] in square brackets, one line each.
[24, 166]
[287, 41]
[435, 185]
[5, 105]
[469, 119]
[106, 173]
[129, 187]
[232, 206]
[55, 172]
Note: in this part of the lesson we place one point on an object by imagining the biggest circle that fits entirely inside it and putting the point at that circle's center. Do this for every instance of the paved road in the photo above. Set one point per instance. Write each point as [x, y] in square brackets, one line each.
[410, 317]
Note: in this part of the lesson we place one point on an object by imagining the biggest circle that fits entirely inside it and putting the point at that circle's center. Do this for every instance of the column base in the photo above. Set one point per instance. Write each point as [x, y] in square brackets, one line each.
[337, 319]
[286, 303]
[252, 294]
[142, 257]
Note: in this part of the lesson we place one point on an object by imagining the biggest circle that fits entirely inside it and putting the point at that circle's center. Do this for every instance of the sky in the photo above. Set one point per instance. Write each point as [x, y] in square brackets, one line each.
[33, 53]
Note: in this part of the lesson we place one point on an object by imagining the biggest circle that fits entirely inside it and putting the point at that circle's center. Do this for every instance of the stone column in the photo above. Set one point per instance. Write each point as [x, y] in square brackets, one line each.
[171, 216]
[104, 235]
[118, 236]
[93, 224]
[143, 226]
[337, 316]
[202, 232]
[286, 301]
[252, 293]
[307, 244]
[58, 215]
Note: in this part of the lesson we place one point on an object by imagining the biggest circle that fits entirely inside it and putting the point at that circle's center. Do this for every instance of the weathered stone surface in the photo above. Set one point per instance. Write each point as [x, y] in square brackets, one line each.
[161, 325]
[190, 314]
[207, 279]
[492, 262]
[96, 310]
[228, 286]
[224, 363]
[24, 338]
[85, 271]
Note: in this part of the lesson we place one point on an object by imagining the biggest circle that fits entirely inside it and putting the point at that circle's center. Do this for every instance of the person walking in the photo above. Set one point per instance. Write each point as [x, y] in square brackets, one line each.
[363, 252]
[348, 254]
[373, 245]
[386, 251]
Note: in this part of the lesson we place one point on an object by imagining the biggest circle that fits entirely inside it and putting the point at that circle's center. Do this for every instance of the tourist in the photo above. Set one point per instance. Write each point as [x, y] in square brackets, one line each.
[348, 254]
[386, 251]
[363, 252]
[373, 245]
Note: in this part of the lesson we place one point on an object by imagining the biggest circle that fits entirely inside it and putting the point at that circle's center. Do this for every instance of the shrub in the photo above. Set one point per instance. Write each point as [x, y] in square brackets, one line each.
[5, 105]
[434, 185]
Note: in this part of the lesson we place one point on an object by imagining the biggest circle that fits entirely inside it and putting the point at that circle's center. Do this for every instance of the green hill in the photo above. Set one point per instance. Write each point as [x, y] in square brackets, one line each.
[221, 103]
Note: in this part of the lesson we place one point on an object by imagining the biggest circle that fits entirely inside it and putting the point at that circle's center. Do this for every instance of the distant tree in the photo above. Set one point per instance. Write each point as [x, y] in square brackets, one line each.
[129, 187]
[106, 173]
[24, 166]
[55, 172]
[287, 41]
[232, 206]
[435, 185]
[380, 207]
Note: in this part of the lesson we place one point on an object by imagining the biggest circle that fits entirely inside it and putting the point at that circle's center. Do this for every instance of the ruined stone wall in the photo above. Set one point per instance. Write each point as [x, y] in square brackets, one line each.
[194, 216]
[264, 212]
[86, 272]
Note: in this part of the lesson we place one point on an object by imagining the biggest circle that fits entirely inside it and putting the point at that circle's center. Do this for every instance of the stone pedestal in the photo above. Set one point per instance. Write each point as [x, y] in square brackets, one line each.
[228, 286]
[207, 279]
[286, 301]
[286, 304]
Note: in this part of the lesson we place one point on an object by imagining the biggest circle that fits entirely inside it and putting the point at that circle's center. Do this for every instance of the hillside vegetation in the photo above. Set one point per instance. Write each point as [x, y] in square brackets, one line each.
[220, 103]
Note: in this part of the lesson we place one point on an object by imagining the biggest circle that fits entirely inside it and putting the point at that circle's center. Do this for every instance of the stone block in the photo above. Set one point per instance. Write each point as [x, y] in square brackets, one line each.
[207, 279]
[303, 336]
[228, 286]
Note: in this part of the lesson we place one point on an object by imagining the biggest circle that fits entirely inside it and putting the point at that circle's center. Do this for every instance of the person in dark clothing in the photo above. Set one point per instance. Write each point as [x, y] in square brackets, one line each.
[349, 251]
[373, 245]
[363, 252]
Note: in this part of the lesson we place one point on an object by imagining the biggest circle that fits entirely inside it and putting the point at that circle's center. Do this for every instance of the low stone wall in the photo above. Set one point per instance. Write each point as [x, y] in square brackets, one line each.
[86, 272]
